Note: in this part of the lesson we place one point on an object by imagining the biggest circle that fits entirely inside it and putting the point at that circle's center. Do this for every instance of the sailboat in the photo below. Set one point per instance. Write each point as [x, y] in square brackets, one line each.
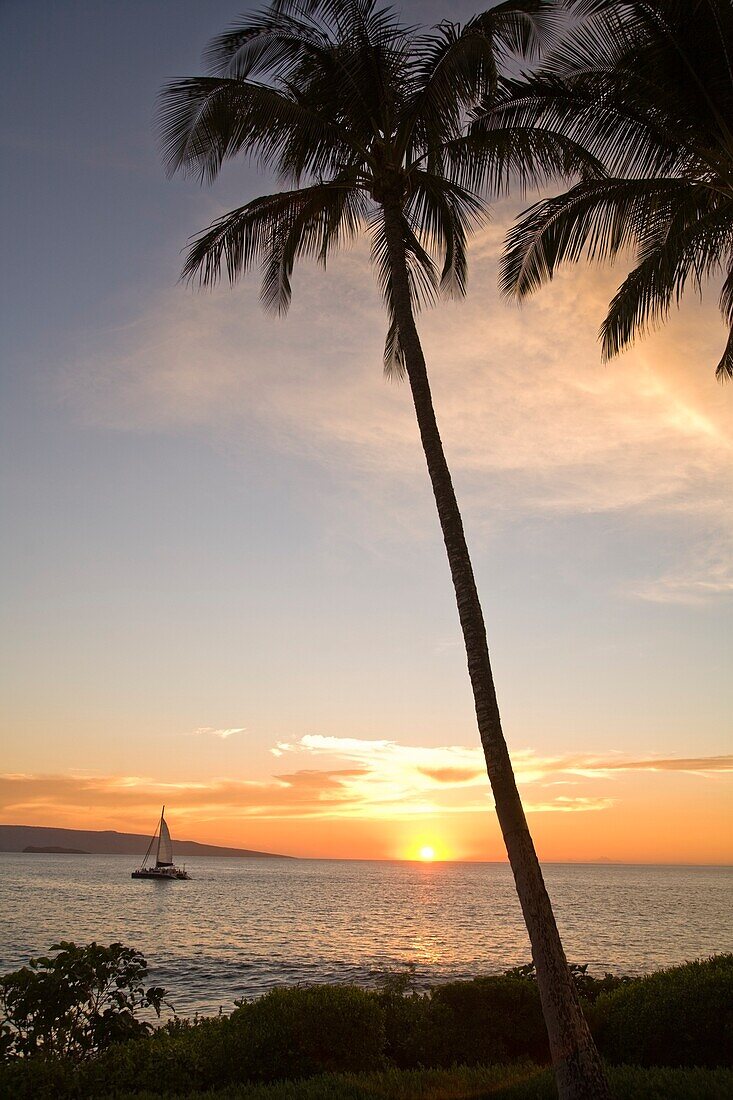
[163, 867]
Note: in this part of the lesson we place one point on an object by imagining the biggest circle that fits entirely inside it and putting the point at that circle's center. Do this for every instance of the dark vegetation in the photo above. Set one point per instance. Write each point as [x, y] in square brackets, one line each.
[517, 1082]
[75, 1003]
[54, 850]
[71, 1029]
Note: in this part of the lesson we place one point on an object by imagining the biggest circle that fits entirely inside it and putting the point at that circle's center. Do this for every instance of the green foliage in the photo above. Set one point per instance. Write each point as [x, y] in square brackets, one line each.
[37, 1078]
[407, 1017]
[302, 1031]
[490, 1019]
[588, 986]
[677, 1017]
[76, 1002]
[494, 1019]
[294, 1032]
[662, 1083]
[519, 1082]
[175, 1059]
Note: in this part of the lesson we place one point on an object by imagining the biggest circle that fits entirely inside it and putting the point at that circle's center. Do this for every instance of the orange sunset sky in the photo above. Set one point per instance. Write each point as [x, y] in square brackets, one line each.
[224, 583]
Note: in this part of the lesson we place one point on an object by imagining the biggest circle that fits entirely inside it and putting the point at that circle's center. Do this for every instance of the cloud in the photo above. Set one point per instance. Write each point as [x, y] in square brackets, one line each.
[569, 805]
[301, 794]
[222, 734]
[709, 577]
[374, 779]
[396, 779]
[693, 764]
[452, 775]
[532, 422]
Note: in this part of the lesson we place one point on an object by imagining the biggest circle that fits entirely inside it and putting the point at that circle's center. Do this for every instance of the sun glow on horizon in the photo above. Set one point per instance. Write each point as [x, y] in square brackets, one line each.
[426, 849]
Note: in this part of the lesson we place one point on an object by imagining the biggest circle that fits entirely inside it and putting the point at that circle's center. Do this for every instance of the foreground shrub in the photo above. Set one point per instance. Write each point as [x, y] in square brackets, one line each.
[588, 986]
[180, 1057]
[37, 1078]
[76, 1002]
[518, 1082]
[662, 1083]
[487, 1020]
[287, 1033]
[681, 1017]
[300, 1032]
[677, 1017]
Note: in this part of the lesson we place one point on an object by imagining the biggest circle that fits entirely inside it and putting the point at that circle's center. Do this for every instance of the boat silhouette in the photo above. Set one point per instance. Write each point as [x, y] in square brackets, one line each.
[163, 868]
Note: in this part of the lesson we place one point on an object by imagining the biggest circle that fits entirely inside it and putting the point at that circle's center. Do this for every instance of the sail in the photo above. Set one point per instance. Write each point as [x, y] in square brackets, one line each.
[165, 847]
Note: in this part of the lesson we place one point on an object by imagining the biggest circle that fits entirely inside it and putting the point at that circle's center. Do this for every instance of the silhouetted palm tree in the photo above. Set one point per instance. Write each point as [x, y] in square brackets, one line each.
[646, 85]
[370, 122]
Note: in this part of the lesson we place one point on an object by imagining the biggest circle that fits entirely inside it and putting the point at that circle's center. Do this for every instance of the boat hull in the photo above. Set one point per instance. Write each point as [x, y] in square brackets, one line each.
[164, 875]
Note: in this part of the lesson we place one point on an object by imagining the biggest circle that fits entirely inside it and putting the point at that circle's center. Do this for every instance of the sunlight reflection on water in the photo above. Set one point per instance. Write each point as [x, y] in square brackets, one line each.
[241, 927]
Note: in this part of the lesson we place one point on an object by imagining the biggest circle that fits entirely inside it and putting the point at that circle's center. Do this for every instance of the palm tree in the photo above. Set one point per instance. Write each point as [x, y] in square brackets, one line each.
[646, 85]
[370, 123]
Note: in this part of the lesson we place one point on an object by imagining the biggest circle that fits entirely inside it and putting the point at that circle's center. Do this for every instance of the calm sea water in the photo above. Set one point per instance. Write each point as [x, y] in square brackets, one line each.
[241, 927]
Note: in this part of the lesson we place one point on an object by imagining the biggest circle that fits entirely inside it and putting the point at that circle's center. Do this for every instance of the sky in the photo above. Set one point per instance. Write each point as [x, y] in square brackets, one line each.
[224, 586]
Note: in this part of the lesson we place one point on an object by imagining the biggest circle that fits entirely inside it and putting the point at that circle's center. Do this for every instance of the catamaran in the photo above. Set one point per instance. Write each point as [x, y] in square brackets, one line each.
[163, 867]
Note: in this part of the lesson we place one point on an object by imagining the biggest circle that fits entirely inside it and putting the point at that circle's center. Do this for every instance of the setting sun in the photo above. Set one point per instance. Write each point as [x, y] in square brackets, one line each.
[427, 853]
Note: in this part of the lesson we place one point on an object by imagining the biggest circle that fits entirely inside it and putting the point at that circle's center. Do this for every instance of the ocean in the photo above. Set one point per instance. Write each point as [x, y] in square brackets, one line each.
[240, 927]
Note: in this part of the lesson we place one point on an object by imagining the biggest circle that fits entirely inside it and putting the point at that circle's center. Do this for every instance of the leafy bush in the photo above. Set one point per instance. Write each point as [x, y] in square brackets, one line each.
[680, 1017]
[180, 1057]
[588, 986]
[677, 1017]
[298, 1032]
[76, 1002]
[37, 1078]
[662, 1083]
[517, 1082]
[295, 1032]
[487, 1020]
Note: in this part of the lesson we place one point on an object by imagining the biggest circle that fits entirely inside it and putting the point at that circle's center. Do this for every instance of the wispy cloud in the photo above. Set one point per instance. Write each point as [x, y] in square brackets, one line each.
[569, 805]
[708, 577]
[697, 765]
[532, 421]
[222, 734]
[393, 778]
[359, 778]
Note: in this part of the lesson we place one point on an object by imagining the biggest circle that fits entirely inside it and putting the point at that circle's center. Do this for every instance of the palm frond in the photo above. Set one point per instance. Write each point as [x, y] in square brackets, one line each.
[394, 354]
[620, 133]
[646, 86]
[690, 247]
[445, 214]
[724, 368]
[320, 219]
[452, 70]
[207, 120]
[519, 158]
[422, 279]
[338, 60]
[276, 230]
[596, 218]
[526, 28]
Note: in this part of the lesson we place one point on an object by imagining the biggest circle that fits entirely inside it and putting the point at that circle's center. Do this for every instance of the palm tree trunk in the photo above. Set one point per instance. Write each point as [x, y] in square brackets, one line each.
[578, 1069]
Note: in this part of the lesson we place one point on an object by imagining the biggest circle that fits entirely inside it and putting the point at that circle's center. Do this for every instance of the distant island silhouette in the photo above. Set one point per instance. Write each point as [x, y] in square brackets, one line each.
[54, 850]
[40, 838]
